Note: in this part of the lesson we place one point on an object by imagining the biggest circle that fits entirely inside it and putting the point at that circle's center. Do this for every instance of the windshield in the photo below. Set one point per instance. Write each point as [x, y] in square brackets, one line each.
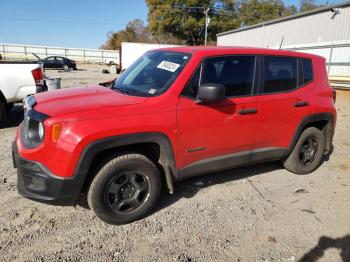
[152, 73]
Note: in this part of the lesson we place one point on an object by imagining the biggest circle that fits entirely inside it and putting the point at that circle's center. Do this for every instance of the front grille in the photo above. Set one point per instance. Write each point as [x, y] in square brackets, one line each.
[24, 127]
[23, 131]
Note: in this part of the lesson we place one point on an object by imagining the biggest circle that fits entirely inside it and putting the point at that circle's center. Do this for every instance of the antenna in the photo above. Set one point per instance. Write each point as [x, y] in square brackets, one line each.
[281, 42]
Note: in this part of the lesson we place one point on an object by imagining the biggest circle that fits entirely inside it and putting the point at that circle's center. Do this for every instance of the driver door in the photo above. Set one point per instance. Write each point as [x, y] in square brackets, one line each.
[221, 129]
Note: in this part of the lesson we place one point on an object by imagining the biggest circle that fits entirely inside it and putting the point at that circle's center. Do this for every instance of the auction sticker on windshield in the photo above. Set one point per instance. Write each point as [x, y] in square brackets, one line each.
[169, 66]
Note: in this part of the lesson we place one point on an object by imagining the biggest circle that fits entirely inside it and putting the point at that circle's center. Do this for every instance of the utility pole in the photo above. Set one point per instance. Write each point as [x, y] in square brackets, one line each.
[207, 21]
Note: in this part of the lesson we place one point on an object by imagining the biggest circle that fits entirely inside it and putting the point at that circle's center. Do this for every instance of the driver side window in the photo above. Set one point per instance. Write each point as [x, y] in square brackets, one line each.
[236, 73]
[192, 86]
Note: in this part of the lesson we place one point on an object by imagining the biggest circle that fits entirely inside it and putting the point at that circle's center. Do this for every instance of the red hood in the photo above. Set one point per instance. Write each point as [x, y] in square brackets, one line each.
[75, 99]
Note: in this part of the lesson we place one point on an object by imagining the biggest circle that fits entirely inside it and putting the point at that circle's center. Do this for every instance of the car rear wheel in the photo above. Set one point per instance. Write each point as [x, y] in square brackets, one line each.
[307, 154]
[125, 189]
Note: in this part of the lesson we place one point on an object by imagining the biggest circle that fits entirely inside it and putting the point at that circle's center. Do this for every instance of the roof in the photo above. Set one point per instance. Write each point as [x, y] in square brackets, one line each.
[195, 49]
[240, 50]
[286, 18]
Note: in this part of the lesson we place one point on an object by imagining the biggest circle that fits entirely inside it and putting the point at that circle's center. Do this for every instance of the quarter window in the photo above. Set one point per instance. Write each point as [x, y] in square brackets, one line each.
[280, 74]
[307, 70]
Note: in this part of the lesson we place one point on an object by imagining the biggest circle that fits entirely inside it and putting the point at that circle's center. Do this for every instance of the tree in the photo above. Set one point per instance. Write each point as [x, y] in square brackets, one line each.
[185, 20]
[307, 5]
[135, 31]
[256, 11]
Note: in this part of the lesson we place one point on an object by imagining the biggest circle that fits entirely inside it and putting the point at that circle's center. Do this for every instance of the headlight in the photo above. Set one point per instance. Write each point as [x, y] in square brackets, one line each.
[32, 132]
[32, 129]
[41, 130]
[35, 132]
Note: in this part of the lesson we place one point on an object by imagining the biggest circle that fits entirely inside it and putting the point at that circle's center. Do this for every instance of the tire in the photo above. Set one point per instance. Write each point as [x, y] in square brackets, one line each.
[65, 68]
[9, 106]
[3, 111]
[125, 189]
[307, 154]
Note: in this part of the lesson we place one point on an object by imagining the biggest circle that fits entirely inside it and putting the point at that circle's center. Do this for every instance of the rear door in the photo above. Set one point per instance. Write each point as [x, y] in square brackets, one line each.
[221, 128]
[282, 106]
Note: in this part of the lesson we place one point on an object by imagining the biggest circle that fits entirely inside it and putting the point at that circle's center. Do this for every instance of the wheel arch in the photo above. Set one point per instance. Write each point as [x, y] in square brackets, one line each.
[2, 97]
[140, 143]
[323, 121]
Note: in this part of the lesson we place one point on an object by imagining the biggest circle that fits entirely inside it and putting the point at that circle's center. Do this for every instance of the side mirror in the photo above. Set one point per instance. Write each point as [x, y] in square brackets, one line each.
[211, 93]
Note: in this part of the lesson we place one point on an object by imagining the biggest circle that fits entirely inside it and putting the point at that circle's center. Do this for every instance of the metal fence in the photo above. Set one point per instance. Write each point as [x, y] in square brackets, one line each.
[25, 52]
[337, 55]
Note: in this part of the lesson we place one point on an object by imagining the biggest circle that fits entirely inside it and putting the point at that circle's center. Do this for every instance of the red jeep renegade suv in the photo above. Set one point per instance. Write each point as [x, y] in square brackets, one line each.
[174, 113]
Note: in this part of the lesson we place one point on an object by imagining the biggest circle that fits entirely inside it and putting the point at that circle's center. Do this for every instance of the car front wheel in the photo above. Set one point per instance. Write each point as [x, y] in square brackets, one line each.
[65, 67]
[3, 111]
[308, 152]
[125, 189]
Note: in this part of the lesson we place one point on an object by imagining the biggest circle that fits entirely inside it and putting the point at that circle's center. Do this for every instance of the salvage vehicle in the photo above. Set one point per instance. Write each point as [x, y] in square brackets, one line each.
[17, 81]
[173, 114]
[57, 62]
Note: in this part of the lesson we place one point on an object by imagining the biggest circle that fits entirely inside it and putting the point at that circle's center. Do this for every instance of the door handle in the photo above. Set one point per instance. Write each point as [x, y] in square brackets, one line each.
[301, 104]
[248, 111]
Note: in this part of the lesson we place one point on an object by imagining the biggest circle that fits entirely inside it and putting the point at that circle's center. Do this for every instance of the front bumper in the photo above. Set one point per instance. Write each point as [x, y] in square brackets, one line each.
[36, 182]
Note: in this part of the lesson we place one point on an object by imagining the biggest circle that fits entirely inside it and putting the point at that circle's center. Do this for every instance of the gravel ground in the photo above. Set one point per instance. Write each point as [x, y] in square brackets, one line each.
[258, 213]
[86, 74]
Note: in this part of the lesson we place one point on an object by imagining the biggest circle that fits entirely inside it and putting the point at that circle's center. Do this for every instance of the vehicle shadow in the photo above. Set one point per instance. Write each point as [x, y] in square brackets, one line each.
[14, 117]
[191, 186]
[328, 155]
[324, 243]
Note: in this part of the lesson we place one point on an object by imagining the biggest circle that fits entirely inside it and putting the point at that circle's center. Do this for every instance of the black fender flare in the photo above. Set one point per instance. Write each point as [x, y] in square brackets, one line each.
[167, 158]
[328, 131]
[2, 97]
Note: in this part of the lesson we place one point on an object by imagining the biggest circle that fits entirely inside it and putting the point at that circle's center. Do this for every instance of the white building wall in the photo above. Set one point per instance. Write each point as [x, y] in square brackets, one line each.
[314, 28]
[132, 51]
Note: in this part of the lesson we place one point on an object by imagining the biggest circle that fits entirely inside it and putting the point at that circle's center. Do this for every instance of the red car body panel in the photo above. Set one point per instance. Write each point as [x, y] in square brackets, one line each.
[88, 114]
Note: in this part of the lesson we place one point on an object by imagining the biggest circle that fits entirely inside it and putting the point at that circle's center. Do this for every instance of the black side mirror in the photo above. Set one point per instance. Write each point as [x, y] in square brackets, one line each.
[211, 93]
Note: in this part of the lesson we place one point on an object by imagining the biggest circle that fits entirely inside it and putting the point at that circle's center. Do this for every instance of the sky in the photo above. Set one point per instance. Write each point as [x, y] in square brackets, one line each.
[71, 23]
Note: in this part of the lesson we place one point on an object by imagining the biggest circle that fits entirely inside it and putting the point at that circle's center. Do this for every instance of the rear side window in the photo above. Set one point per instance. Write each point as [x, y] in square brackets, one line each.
[280, 74]
[307, 70]
[236, 73]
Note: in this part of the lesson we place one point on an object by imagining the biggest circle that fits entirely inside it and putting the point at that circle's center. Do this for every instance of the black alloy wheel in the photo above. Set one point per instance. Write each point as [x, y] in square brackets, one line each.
[307, 154]
[127, 192]
[308, 150]
[126, 188]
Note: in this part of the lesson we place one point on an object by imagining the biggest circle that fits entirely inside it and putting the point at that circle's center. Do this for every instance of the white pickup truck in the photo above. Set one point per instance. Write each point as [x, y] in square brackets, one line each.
[17, 81]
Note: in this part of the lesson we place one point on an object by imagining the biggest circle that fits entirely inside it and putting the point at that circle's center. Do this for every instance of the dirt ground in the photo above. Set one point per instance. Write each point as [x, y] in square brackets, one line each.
[87, 74]
[257, 213]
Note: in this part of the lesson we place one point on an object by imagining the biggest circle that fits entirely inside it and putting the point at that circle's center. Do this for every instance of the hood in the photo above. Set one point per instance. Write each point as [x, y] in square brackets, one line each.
[64, 101]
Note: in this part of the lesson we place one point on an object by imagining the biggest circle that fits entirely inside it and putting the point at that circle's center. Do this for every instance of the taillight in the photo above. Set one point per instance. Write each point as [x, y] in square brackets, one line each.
[38, 75]
[334, 95]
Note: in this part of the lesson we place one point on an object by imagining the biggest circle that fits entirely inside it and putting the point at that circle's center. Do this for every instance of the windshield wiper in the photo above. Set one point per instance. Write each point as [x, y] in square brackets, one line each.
[124, 91]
